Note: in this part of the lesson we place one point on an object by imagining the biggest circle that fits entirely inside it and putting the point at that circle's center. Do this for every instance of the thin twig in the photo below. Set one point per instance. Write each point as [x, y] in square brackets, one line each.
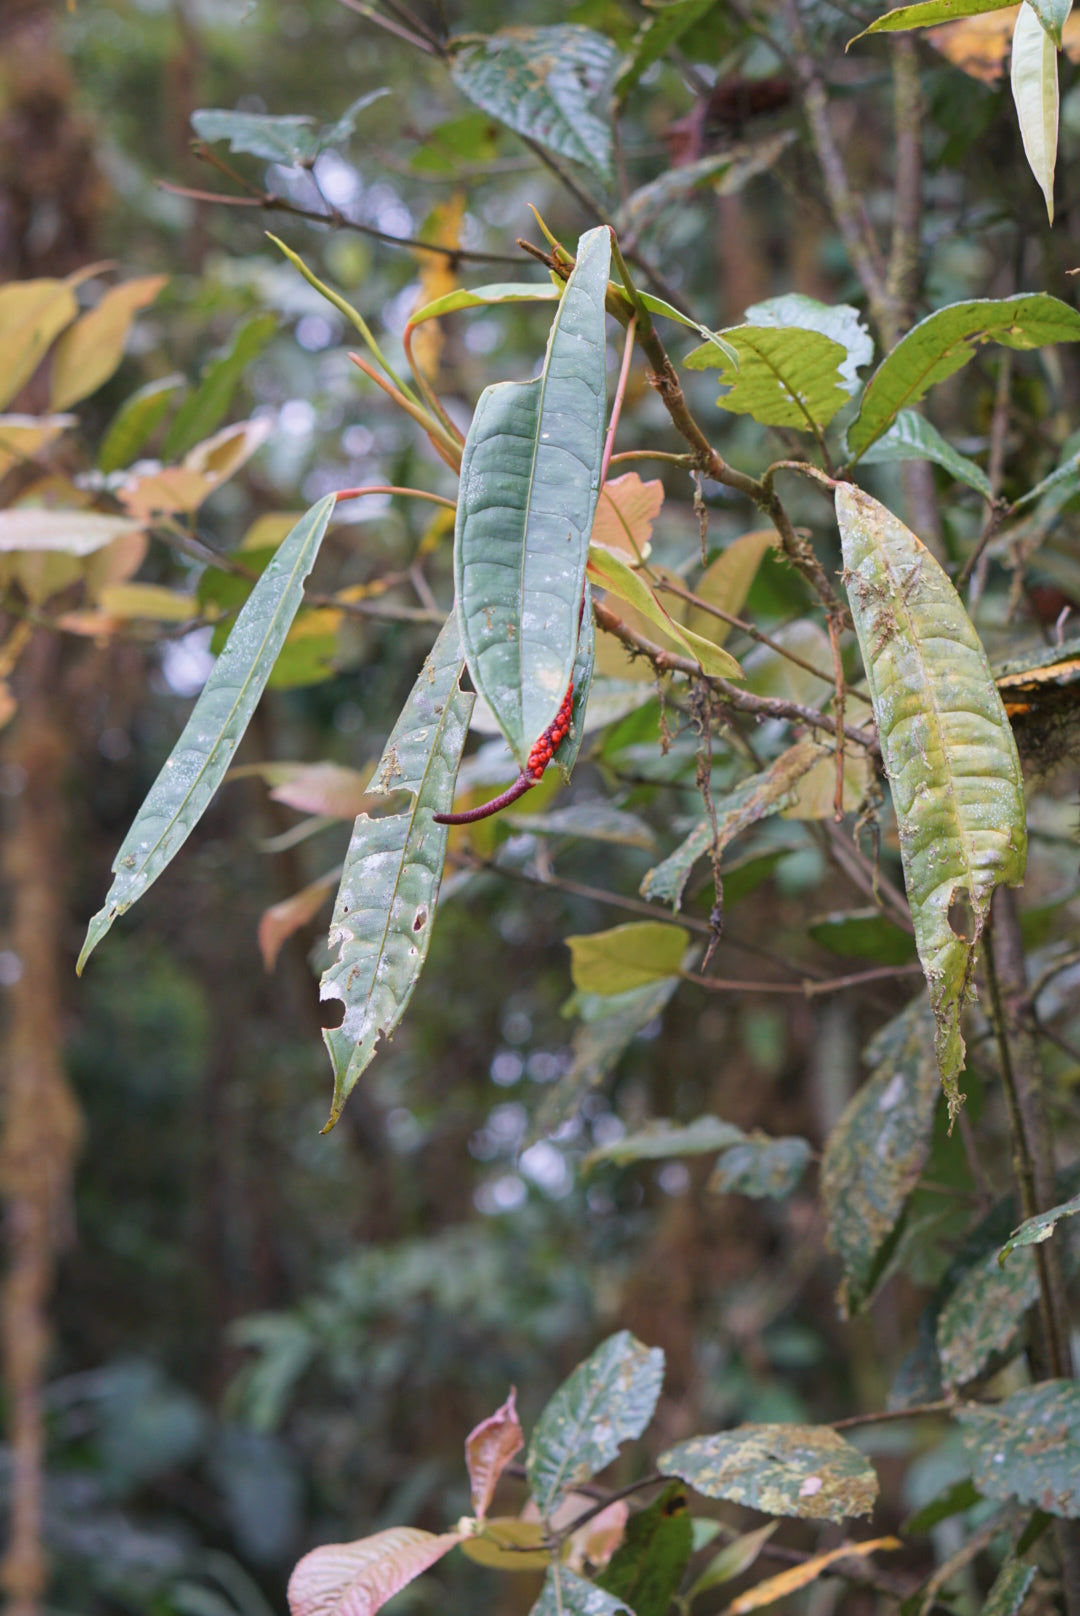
[808, 989]
[617, 402]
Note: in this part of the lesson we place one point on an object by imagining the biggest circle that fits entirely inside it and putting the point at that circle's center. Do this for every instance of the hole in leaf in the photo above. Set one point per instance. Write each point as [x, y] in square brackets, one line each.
[331, 1013]
[961, 920]
[420, 921]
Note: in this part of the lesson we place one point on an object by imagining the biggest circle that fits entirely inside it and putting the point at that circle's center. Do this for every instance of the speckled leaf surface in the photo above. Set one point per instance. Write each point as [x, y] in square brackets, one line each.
[947, 747]
[1009, 1588]
[542, 83]
[647, 1568]
[607, 1400]
[385, 907]
[878, 1149]
[983, 1314]
[762, 1168]
[566, 1594]
[1040, 1227]
[530, 478]
[803, 1470]
[1028, 1447]
[198, 762]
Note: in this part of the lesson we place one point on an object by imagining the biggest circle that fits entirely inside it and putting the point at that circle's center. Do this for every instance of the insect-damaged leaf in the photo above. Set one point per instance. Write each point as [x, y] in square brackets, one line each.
[357, 1579]
[647, 1568]
[878, 1149]
[803, 1470]
[800, 1576]
[541, 82]
[1033, 75]
[489, 1448]
[607, 1400]
[983, 1314]
[947, 748]
[626, 957]
[1040, 1227]
[566, 1594]
[943, 343]
[385, 907]
[198, 762]
[530, 476]
[1028, 1447]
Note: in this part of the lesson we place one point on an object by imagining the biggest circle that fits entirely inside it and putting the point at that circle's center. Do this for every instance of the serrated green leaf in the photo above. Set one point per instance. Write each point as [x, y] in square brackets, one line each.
[661, 1140]
[913, 437]
[803, 1470]
[876, 1152]
[841, 322]
[611, 571]
[566, 1594]
[136, 421]
[647, 1568]
[943, 343]
[1033, 76]
[664, 28]
[786, 376]
[208, 405]
[626, 957]
[947, 749]
[597, 1046]
[385, 908]
[607, 1400]
[1028, 1447]
[762, 1168]
[1040, 1227]
[755, 799]
[198, 762]
[928, 14]
[530, 479]
[983, 1315]
[542, 82]
[1009, 1589]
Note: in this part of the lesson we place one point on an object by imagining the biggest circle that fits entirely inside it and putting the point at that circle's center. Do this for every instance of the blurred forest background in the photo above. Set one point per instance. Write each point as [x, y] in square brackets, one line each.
[262, 1337]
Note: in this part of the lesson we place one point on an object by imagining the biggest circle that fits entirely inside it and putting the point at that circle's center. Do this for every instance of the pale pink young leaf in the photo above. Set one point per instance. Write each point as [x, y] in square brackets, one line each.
[278, 923]
[357, 1579]
[625, 513]
[489, 1448]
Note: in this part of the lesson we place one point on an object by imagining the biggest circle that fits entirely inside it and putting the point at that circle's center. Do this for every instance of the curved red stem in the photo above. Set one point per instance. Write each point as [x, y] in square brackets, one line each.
[523, 783]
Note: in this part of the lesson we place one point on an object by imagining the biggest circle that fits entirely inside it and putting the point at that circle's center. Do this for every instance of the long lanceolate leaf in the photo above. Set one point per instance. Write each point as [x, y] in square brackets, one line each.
[947, 748]
[530, 478]
[1033, 75]
[385, 905]
[198, 762]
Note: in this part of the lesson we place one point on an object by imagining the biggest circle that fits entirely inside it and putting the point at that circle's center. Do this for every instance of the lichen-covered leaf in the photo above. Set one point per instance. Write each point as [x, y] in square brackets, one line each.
[1028, 1447]
[607, 1400]
[943, 343]
[385, 909]
[198, 763]
[566, 1594]
[357, 1579]
[489, 1448]
[1040, 1227]
[913, 437]
[625, 957]
[800, 1576]
[1033, 75]
[543, 83]
[647, 1568]
[1009, 1589]
[755, 799]
[878, 1149]
[661, 1140]
[803, 1470]
[530, 476]
[786, 375]
[947, 748]
[983, 1315]
[762, 1168]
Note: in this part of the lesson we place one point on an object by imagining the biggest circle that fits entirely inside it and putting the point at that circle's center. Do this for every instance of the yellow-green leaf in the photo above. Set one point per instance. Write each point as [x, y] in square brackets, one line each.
[626, 957]
[610, 571]
[32, 316]
[91, 350]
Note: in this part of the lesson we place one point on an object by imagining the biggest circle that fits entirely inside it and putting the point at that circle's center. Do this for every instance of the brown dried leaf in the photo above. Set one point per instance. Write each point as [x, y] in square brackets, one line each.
[786, 1582]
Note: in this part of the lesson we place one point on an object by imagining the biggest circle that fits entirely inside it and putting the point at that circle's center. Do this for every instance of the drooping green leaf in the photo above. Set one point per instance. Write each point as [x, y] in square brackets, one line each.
[611, 571]
[289, 140]
[566, 1594]
[606, 1401]
[659, 1141]
[928, 14]
[200, 759]
[1009, 1588]
[136, 421]
[913, 437]
[1028, 1447]
[943, 343]
[385, 909]
[1033, 75]
[786, 375]
[762, 1168]
[647, 1568]
[543, 83]
[983, 1315]
[732, 1560]
[657, 34]
[484, 297]
[755, 799]
[530, 478]
[207, 406]
[878, 1149]
[865, 934]
[1040, 1227]
[803, 1470]
[625, 957]
[947, 748]
[598, 1044]
[596, 821]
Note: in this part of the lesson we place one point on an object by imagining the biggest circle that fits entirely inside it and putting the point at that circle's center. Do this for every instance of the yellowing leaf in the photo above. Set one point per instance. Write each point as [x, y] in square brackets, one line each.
[267, 532]
[164, 493]
[281, 920]
[221, 456]
[24, 436]
[151, 601]
[356, 1579]
[509, 1544]
[626, 957]
[1033, 74]
[625, 513]
[32, 316]
[438, 279]
[91, 350]
[726, 583]
[8, 704]
[799, 1576]
[608, 570]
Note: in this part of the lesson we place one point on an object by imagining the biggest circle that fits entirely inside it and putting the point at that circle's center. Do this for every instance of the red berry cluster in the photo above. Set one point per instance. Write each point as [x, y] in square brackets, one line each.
[545, 748]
